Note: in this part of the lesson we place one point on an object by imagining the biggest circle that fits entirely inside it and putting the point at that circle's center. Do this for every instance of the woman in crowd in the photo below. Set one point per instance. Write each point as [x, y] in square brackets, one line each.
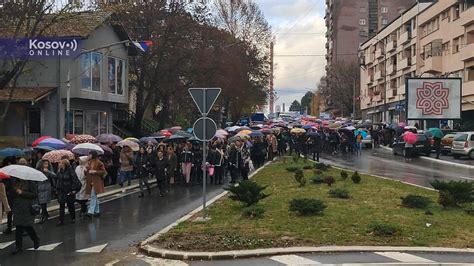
[126, 166]
[142, 163]
[44, 189]
[4, 206]
[66, 185]
[160, 165]
[95, 172]
[219, 164]
[187, 162]
[172, 164]
[81, 196]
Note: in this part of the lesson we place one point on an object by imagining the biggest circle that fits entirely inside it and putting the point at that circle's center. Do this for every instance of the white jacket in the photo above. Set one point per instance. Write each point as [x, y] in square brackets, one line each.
[81, 175]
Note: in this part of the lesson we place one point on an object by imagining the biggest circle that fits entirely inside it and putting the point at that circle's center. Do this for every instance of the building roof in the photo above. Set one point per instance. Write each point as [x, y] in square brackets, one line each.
[33, 94]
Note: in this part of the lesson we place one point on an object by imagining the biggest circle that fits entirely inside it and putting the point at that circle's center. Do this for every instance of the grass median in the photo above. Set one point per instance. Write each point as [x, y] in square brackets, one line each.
[345, 222]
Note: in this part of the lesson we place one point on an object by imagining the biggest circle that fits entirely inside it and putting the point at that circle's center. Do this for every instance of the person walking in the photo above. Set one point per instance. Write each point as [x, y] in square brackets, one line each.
[44, 189]
[219, 167]
[245, 161]
[24, 194]
[437, 146]
[172, 164]
[160, 164]
[358, 143]
[95, 171]
[234, 162]
[187, 162]
[4, 205]
[81, 196]
[66, 186]
[126, 166]
[142, 164]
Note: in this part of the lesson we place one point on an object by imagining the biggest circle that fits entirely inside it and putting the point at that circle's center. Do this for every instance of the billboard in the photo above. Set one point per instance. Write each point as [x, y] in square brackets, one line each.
[433, 98]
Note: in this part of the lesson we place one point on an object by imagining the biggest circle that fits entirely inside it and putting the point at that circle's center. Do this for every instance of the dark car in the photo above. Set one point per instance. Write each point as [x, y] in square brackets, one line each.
[422, 145]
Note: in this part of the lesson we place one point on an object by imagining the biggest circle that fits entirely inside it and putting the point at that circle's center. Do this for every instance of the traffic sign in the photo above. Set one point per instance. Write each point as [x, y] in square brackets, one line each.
[204, 129]
[204, 98]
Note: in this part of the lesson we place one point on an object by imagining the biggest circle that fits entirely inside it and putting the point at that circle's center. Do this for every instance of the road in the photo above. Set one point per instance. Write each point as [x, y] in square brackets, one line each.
[127, 219]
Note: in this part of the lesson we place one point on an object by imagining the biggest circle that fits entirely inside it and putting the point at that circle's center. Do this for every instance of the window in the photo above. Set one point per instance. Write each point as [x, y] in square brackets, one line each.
[362, 21]
[91, 71]
[456, 12]
[97, 123]
[363, 33]
[470, 73]
[116, 75]
[384, 21]
[362, 9]
[384, 10]
[456, 45]
[445, 48]
[76, 122]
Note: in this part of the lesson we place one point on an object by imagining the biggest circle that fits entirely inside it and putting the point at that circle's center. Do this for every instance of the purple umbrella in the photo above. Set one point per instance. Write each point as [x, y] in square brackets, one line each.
[106, 138]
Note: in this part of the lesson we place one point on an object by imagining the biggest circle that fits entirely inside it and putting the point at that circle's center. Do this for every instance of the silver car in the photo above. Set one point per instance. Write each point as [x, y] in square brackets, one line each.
[463, 145]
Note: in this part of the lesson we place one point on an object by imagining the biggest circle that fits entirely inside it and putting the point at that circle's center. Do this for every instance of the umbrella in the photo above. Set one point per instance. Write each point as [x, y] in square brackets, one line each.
[4, 176]
[350, 128]
[176, 128]
[232, 129]
[51, 144]
[128, 143]
[409, 137]
[409, 127]
[298, 130]
[107, 149]
[176, 138]
[193, 139]
[183, 134]
[313, 134]
[38, 140]
[166, 133]
[222, 132]
[133, 139]
[335, 126]
[245, 131]
[83, 139]
[148, 139]
[86, 148]
[256, 127]
[256, 134]
[23, 172]
[436, 132]
[7, 152]
[362, 132]
[235, 138]
[106, 138]
[307, 126]
[56, 156]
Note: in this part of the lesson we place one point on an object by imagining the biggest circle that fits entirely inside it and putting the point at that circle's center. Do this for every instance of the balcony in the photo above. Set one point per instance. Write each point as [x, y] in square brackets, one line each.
[433, 64]
[402, 64]
[391, 69]
[405, 37]
[379, 53]
[467, 53]
[391, 46]
[369, 59]
[378, 75]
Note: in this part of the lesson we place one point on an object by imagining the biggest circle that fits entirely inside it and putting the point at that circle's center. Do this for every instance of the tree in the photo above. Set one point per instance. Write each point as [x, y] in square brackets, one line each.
[26, 19]
[295, 106]
[306, 102]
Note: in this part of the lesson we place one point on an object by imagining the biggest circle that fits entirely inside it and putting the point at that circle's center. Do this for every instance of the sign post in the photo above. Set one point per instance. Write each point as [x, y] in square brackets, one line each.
[204, 128]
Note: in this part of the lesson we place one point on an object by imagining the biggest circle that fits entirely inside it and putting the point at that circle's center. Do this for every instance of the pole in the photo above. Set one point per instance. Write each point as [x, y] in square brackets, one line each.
[204, 171]
[354, 98]
[68, 99]
[271, 78]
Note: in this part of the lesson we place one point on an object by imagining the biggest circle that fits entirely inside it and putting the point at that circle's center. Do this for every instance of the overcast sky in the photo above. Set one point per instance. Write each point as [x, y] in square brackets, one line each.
[299, 28]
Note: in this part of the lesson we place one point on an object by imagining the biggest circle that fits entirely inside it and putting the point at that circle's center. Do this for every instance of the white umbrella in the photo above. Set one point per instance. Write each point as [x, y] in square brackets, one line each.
[24, 172]
[410, 127]
[86, 148]
[232, 129]
[133, 145]
[350, 128]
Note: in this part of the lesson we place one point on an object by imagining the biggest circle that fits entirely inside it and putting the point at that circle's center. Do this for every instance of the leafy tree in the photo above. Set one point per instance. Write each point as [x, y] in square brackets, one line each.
[295, 106]
[306, 102]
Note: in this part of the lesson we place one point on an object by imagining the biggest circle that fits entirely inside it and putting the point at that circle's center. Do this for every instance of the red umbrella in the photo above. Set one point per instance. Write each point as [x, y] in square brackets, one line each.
[4, 176]
[166, 133]
[38, 140]
[410, 137]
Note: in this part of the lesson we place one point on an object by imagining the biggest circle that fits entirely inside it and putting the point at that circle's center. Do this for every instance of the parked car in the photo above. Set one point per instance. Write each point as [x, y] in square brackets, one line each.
[422, 145]
[463, 145]
[447, 143]
[367, 141]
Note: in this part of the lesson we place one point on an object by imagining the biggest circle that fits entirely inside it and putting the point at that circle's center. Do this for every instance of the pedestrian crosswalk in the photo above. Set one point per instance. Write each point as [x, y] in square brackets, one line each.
[293, 260]
[49, 247]
[404, 257]
[6, 244]
[53, 246]
[94, 249]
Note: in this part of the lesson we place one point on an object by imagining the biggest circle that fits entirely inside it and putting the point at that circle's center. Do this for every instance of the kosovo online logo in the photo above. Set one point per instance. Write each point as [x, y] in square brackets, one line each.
[39, 48]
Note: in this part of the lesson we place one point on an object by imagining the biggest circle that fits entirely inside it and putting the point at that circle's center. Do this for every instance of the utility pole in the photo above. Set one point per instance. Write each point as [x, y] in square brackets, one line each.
[271, 79]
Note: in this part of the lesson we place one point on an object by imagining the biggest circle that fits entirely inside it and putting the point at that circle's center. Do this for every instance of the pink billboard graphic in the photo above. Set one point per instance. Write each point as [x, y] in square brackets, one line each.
[432, 98]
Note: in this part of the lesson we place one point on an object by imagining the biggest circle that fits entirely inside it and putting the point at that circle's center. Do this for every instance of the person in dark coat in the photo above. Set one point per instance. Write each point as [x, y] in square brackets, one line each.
[142, 165]
[44, 189]
[24, 193]
[66, 185]
[314, 146]
[160, 164]
[211, 163]
[235, 162]
[219, 164]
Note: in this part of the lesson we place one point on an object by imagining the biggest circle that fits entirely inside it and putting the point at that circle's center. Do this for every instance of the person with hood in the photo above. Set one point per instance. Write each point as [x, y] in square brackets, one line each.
[142, 164]
[81, 196]
[24, 193]
[126, 166]
[66, 185]
[95, 173]
[44, 189]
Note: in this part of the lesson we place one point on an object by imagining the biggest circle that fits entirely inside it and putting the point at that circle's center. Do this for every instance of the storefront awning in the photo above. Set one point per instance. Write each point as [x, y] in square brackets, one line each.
[24, 95]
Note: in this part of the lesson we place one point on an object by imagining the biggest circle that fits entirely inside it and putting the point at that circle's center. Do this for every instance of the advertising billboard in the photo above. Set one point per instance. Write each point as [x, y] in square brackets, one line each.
[433, 98]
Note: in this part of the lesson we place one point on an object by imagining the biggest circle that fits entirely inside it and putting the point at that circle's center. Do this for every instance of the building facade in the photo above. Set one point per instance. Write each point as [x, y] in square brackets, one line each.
[429, 40]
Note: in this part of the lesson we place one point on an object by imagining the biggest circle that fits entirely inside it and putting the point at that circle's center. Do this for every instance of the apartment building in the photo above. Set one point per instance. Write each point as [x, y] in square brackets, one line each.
[429, 40]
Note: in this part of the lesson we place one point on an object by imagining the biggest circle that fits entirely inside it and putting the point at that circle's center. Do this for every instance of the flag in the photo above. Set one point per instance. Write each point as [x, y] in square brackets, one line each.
[143, 46]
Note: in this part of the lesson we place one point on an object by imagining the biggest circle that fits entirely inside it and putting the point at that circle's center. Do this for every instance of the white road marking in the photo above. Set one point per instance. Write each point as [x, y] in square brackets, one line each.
[111, 263]
[160, 262]
[6, 244]
[403, 257]
[294, 260]
[47, 247]
[95, 249]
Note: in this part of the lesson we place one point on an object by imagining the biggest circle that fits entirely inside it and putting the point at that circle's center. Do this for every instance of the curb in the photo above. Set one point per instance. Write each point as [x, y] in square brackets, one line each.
[144, 245]
[238, 254]
[437, 160]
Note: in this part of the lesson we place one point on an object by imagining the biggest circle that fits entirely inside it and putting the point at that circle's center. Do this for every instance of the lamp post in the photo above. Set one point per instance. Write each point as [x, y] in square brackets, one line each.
[353, 96]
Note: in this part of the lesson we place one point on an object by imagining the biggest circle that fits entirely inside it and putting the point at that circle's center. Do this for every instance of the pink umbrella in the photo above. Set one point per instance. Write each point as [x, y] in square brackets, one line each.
[83, 139]
[410, 137]
[56, 156]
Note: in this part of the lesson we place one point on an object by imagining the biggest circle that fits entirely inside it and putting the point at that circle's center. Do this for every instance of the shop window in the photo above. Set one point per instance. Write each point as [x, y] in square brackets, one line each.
[91, 71]
[97, 123]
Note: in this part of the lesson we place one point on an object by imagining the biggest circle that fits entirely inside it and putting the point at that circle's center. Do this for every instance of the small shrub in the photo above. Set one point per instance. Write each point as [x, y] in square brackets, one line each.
[416, 201]
[329, 180]
[307, 167]
[306, 207]
[322, 166]
[299, 177]
[428, 212]
[454, 193]
[356, 178]
[296, 158]
[468, 208]
[339, 193]
[318, 179]
[247, 192]
[383, 229]
[292, 169]
[344, 175]
[254, 211]
[318, 172]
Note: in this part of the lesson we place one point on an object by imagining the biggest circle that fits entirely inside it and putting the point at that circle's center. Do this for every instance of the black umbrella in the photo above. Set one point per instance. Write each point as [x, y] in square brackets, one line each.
[313, 134]
[176, 138]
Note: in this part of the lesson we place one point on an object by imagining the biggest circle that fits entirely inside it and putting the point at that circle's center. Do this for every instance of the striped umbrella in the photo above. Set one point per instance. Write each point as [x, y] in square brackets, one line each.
[51, 144]
[38, 140]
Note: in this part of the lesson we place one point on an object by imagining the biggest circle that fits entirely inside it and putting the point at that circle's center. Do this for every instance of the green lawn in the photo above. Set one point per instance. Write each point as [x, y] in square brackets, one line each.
[344, 222]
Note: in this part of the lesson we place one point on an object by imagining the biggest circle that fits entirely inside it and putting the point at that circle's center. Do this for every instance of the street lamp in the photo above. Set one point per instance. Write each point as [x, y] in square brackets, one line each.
[353, 96]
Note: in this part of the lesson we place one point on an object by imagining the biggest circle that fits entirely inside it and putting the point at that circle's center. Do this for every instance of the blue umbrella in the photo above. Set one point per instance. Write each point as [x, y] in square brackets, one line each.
[307, 126]
[436, 132]
[7, 152]
[256, 134]
[51, 144]
[362, 132]
[313, 134]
